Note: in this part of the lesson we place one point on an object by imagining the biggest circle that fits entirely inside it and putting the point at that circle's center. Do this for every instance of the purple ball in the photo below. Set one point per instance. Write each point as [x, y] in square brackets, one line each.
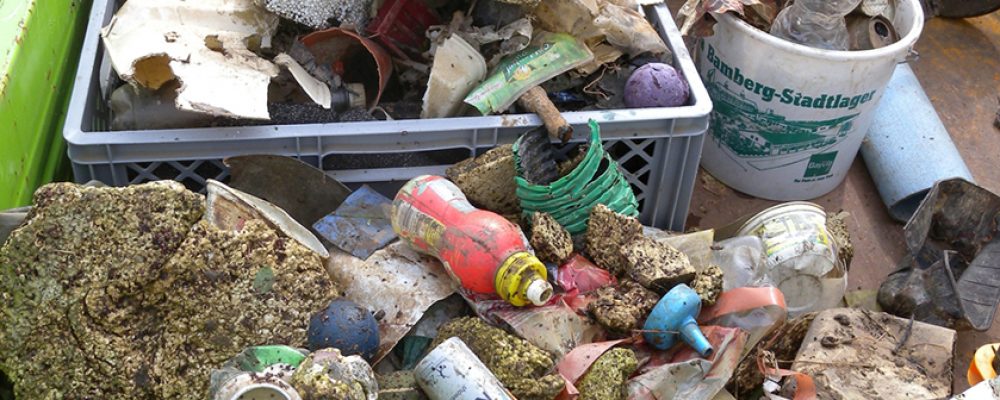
[656, 85]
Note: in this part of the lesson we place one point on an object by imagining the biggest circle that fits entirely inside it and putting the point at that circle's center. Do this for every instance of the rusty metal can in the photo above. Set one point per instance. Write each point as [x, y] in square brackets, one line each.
[453, 372]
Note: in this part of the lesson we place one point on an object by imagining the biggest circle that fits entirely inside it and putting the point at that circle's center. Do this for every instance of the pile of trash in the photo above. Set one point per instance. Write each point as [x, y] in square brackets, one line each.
[187, 64]
[831, 25]
[261, 289]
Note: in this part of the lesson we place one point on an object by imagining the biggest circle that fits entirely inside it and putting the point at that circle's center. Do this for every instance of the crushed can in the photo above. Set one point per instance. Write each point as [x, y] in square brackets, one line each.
[801, 256]
[453, 372]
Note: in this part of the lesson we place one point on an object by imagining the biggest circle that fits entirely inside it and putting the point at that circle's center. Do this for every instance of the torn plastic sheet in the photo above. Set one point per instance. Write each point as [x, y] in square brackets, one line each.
[687, 376]
[395, 283]
[360, 225]
[204, 44]
[698, 21]
[593, 21]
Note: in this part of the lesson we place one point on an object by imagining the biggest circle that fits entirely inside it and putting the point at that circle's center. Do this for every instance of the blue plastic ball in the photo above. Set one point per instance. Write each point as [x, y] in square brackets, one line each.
[345, 326]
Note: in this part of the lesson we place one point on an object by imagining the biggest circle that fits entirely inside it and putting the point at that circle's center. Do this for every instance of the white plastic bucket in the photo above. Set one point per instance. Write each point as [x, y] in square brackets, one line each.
[788, 119]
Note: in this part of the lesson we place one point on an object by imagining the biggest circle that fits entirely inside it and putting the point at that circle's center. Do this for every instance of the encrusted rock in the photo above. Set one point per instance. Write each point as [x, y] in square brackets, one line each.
[115, 293]
[656, 265]
[708, 284]
[607, 233]
[524, 369]
[623, 308]
[550, 240]
[607, 378]
[224, 291]
[488, 180]
[326, 374]
[72, 318]
[399, 385]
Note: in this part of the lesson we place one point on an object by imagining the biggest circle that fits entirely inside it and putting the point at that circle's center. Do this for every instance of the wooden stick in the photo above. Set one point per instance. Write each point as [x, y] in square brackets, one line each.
[536, 101]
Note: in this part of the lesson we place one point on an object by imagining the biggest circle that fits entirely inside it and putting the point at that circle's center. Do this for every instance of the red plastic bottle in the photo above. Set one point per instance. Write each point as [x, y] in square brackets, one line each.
[482, 250]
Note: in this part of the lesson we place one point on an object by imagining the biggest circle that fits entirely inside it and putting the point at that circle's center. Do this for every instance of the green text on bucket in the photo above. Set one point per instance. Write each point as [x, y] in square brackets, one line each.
[788, 96]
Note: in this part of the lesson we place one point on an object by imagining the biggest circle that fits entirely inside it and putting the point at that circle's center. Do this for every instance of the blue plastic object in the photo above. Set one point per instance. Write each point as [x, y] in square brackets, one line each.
[673, 316]
[345, 326]
[360, 225]
[908, 149]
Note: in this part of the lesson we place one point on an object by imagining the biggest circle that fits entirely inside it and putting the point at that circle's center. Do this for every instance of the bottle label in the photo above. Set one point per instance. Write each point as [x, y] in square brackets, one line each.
[422, 231]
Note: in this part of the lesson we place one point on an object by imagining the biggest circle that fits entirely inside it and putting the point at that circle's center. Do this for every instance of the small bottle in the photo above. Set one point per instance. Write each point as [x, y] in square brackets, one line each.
[480, 249]
[815, 23]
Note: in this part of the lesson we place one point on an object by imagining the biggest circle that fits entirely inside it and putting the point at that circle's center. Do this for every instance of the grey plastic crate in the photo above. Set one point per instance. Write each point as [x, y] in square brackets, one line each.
[658, 148]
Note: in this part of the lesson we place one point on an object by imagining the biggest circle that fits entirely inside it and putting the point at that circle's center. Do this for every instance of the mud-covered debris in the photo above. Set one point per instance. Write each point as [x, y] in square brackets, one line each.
[71, 288]
[326, 374]
[399, 385]
[623, 308]
[656, 265]
[836, 224]
[708, 284]
[525, 370]
[783, 342]
[488, 180]
[607, 233]
[224, 291]
[550, 240]
[607, 378]
[117, 293]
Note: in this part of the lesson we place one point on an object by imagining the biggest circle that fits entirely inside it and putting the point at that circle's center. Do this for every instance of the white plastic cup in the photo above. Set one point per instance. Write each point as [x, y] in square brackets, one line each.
[789, 119]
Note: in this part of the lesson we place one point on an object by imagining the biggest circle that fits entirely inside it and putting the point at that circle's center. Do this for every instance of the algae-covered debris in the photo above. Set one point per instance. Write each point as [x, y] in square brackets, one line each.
[72, 318]
[607, 233]
[550, 240]
[607, 378]
[224, 291]
[836, 224]
[708, 284]
[525, 370]
[623, 308]
[488, 180]
[399, 385]
[656, 265]
[326, 374]
[116, 293]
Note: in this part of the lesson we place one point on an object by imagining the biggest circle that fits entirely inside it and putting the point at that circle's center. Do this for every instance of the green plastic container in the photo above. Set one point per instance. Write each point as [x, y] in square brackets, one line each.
[39, 48]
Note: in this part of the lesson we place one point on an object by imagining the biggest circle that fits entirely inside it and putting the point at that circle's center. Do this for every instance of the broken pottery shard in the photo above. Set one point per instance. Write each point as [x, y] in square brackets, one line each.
[360, 225]
[607, 378]
[396, 282]
[326, 374]
[522, 368]
[708, 285]
[858, 354]
[656, 265]
[317, 14]
[457, 68]
[550, 240]
[318, 91]
[203, 44]
[71, 285]
[223, 291]
[623, 308]
[231, 209]
[488, 180]
[607, 233]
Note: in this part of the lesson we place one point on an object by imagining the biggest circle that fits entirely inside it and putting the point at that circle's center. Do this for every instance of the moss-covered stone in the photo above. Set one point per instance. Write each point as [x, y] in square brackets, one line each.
[550, 240]
[622, 308]
[525, 370]
[607, 378]
[708, 284]
[607, 233]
